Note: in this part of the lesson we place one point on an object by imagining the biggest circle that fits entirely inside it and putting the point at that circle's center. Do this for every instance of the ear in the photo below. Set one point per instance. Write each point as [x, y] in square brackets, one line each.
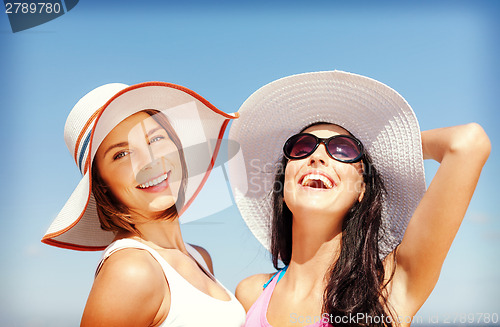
[363, 184]
[362, 192]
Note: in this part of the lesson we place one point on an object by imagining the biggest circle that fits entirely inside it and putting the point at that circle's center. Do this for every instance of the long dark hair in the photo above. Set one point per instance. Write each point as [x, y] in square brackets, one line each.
[355, 282]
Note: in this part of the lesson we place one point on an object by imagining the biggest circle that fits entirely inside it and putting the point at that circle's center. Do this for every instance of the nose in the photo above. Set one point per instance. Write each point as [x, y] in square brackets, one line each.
[142, 156]
[153, 164]
[319, 156]
[147, 166]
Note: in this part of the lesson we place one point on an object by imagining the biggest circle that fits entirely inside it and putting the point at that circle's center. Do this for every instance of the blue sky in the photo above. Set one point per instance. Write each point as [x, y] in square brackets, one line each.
[443, 58]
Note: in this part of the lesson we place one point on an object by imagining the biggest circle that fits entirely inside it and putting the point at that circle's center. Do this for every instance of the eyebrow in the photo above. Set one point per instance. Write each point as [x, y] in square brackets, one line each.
[117, 145]
[153, 130]
[125, 144]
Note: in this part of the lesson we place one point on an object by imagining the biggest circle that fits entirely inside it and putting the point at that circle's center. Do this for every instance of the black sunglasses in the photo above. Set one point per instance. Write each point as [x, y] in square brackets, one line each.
[343, 148]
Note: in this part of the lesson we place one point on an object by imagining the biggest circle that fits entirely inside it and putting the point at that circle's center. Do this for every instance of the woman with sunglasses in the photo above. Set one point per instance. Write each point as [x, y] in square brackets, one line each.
[144, 152]
[355, 235]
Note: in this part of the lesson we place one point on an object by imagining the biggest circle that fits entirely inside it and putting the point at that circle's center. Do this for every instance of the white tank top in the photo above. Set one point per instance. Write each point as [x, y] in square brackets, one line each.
[188, 305]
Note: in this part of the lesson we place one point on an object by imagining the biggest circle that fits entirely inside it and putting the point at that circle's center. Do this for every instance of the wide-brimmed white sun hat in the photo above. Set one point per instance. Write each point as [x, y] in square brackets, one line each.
[371, 111]
[198, 124]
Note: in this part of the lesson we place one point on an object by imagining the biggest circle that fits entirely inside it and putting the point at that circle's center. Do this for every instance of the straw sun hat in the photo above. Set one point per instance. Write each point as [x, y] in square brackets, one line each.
[199, 125]
[373, 112]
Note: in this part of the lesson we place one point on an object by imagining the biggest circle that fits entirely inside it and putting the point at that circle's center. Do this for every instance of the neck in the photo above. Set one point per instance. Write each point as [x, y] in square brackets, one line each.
[159, 233]
[316, 245]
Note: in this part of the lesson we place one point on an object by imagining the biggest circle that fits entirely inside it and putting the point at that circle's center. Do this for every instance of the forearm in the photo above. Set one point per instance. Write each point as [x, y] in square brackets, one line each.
[468, 141]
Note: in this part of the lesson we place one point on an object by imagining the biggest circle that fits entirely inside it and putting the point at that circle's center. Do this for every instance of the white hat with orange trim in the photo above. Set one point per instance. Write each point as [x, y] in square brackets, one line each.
[371, 111]
[198, 124]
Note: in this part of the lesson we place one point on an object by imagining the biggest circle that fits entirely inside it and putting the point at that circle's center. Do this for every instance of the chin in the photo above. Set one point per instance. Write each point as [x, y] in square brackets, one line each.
[311, 212]
[316, 207]
[162, 203]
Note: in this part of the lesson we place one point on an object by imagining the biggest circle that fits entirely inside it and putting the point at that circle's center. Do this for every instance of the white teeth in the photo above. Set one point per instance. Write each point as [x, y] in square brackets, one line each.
[154, 182]
[317, 177]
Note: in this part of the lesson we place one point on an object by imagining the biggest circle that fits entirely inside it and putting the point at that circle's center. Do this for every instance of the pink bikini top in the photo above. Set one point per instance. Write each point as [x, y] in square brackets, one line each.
[256, 316]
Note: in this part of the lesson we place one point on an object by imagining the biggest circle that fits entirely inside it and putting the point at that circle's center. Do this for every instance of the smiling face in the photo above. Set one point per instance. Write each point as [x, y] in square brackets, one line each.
[321, 185]
[140, 165]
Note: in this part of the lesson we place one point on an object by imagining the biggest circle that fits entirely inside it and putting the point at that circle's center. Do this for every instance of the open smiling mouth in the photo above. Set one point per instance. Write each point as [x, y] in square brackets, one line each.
[316, 181]
[155, 182]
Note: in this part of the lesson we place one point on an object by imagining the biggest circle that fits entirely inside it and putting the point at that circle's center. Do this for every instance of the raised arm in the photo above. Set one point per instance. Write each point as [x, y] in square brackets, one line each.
[462, 152]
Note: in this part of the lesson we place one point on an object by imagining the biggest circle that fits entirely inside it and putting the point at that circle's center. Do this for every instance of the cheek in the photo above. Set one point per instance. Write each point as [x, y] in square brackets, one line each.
[166, 149]
[177, 175]
[353, 179]
[290, 184]
[119, 180]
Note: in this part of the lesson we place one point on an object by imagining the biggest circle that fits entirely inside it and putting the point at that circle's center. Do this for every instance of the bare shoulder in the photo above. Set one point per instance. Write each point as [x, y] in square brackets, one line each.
[206, 256]
[132, 266]
[129, 288]
[250, 288]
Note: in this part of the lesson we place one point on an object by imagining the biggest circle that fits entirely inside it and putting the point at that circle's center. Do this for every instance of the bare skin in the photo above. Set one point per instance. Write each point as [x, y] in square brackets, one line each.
[131, 288]
[421, 253]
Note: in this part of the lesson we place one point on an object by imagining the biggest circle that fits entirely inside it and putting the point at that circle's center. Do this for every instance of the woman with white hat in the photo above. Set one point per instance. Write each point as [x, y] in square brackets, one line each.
[145, 152]
[335, 190]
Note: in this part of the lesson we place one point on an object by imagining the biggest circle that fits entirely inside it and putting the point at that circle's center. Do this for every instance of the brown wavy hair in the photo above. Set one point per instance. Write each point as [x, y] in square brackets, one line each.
[113, 215]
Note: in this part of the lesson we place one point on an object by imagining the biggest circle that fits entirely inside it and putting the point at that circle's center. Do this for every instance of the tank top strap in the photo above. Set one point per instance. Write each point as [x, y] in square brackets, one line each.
[281, 273]
[197, 256]
[126, 243]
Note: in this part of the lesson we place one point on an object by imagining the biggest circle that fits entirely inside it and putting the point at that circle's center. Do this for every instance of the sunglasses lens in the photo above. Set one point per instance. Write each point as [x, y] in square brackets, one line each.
[299, 146]
[344, 148]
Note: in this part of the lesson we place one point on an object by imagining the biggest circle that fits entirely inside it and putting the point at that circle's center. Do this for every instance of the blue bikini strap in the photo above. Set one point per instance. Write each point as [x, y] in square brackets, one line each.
[281, 272]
